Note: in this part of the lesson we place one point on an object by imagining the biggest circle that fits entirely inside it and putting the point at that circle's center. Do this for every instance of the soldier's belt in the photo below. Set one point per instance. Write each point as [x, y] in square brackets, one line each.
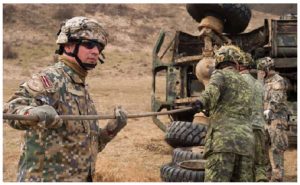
[94, 117]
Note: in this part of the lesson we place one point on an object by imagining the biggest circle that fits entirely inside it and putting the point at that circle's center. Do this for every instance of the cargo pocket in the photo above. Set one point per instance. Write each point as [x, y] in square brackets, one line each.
[208, 149]
[281, 139]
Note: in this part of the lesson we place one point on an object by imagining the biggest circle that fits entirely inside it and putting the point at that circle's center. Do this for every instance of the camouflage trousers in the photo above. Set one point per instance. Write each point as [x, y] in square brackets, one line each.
[260, 161]
[277, 136]
[228, 167]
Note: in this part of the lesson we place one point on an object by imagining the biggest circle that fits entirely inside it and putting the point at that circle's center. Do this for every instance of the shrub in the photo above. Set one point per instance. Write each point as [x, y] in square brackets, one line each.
[8, 52]
[8, 12]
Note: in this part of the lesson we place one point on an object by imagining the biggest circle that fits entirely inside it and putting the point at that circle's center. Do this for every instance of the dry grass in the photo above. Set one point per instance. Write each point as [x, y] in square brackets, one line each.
[135, 155]
[63, 13]
[8, 52]
[137, 152]
[290, 165]
[11, 151]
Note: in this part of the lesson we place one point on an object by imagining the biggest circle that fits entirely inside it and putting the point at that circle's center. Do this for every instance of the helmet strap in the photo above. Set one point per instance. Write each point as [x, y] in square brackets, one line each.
[75, 55]
[60, 50]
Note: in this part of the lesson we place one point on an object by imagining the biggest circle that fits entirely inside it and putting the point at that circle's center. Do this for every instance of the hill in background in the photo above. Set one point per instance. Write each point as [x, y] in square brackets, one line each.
[29, 31]
[131, 26]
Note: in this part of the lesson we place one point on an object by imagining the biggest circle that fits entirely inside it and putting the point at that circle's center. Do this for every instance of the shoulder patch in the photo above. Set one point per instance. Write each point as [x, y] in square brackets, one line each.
[35, 84]
[39, 83]
[46, 82]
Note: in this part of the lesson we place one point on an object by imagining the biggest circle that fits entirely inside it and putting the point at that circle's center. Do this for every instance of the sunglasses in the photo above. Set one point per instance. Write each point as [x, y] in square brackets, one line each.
[92, 44]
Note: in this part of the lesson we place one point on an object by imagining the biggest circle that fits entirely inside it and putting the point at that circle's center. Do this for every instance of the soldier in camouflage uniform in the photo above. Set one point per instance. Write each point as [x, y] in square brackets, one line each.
[276, 114]
[229, 143]
[258, 122]
[63, 150]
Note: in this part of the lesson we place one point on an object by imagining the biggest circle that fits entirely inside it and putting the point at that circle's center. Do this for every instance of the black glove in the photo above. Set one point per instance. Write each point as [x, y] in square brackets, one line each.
[197, 105]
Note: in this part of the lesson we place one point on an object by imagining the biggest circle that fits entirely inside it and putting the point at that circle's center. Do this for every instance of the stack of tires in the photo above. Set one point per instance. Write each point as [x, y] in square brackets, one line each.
[188, 140]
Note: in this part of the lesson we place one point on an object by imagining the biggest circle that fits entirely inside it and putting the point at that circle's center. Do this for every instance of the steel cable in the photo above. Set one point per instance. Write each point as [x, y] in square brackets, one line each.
[93, 117]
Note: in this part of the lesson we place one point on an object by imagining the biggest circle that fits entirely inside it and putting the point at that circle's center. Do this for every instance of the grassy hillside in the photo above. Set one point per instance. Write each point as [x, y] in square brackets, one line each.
[29, 30]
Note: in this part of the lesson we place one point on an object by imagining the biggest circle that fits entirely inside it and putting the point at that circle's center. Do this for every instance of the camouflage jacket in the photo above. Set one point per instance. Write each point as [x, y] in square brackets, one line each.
[275, 97]
[228, 97]
[257, 87]
[67, 153]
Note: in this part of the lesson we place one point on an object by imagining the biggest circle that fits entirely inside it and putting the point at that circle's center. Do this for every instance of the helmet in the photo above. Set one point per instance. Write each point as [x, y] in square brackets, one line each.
[81, 28]
[248, 60]
[229, 53]
[78, 29]
[265, 63]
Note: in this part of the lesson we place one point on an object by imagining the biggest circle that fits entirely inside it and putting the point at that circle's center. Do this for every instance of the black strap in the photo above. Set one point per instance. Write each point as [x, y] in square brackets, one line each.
[60, 50]
[75, 55]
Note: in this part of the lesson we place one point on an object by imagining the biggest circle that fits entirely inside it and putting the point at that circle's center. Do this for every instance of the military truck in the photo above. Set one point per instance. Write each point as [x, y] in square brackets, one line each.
[175, 57]
[283, 49]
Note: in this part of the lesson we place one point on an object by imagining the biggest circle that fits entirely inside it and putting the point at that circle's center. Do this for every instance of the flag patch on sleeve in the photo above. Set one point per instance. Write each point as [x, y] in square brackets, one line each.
[46, 82]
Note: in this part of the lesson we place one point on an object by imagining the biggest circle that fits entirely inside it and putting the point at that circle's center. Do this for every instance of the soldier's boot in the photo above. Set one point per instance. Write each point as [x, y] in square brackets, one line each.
[277, 175]
[278, 166]
[269, 171]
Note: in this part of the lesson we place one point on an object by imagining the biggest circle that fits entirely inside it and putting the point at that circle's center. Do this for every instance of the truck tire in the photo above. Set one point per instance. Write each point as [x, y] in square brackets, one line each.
[184, 134]
[173, 173]
[292, 140]
[235, 17]
[187, 153]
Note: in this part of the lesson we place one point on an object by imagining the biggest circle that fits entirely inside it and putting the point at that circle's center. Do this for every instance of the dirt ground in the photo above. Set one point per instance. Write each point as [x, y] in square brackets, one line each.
[137, 152]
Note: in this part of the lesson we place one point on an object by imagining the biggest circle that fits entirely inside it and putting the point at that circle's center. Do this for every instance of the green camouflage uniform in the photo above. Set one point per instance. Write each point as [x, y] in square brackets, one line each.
[229, 146]
[275, 100]
[67, 153]
[258, 124]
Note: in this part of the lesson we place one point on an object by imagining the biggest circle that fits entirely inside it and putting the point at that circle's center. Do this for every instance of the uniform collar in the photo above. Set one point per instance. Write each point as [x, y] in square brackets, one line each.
[73, 70]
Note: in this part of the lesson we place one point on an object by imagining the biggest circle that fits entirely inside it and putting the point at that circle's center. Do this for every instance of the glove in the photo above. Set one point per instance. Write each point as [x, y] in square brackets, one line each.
[46, 115]
[197, 105]
[268, 114]
[114, 126]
